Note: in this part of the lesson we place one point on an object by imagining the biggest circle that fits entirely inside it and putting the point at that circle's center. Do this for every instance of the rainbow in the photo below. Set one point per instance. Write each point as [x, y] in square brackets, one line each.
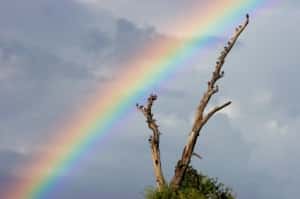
[152, 66]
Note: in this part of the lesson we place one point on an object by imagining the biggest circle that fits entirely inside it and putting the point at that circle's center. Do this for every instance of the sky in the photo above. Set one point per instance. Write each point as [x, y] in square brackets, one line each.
[55, 54]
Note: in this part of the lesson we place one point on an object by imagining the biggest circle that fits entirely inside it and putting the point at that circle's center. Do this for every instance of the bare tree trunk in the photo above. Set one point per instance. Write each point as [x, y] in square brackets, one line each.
[154, 141]
[201, 118]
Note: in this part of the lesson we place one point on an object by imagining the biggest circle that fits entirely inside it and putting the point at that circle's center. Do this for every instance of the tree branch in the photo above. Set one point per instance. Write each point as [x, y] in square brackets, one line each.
[213, 111]
[197, 155]
[153, 140]
[200, 118]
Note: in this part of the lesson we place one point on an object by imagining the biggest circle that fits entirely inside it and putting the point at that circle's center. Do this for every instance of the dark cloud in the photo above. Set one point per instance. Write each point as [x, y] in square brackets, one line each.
[56, 56]
[11, 162]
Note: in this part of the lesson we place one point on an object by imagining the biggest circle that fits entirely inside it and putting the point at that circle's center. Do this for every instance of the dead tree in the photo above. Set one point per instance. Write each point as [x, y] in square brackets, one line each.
[153, 140]
[201, 119]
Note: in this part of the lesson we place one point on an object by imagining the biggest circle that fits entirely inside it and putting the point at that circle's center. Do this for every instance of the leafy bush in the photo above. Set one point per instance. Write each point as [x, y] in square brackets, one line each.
[194, 186]
[168, 193]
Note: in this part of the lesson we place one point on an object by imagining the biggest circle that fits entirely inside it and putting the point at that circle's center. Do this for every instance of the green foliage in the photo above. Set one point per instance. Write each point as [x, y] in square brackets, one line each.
[168, 193]
[165, 193]
[194, 186]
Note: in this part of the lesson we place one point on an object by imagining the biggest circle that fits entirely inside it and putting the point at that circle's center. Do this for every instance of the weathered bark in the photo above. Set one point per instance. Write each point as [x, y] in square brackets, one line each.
[201, 118]
[154, 141]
